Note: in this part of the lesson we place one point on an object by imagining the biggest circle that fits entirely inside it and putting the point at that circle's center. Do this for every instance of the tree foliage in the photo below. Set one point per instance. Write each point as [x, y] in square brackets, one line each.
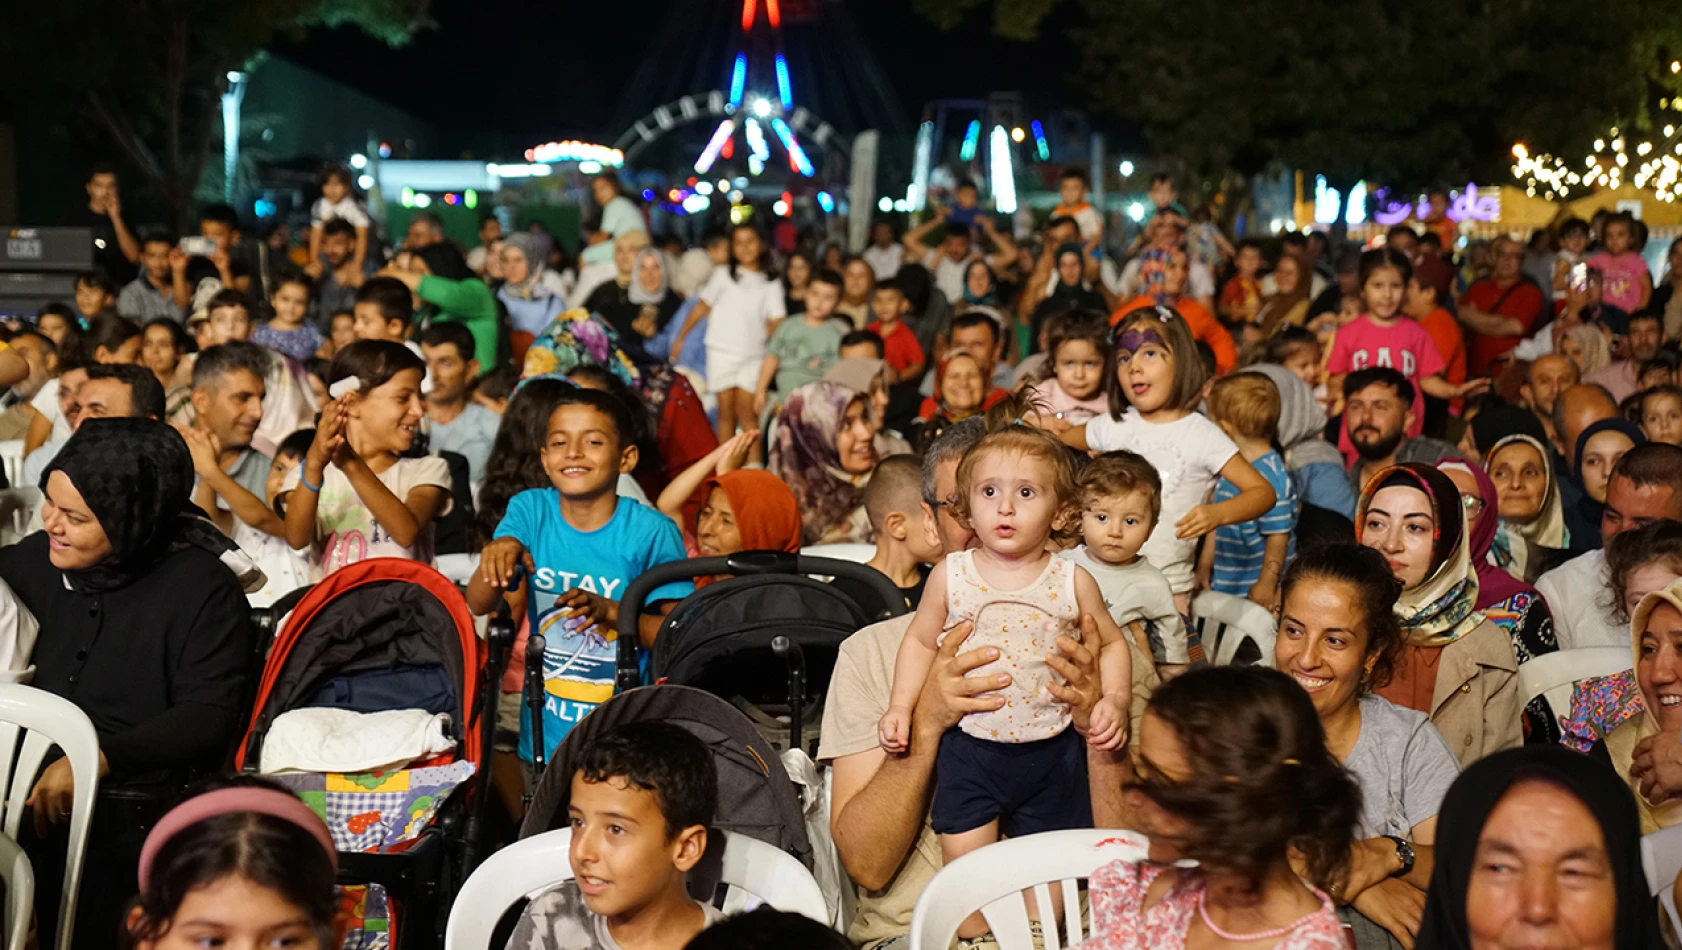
[149, 73]
[1406, 93]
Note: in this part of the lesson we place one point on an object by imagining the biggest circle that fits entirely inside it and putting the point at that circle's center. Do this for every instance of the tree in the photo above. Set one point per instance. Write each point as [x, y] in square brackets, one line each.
[1405, 93]
[149, 74]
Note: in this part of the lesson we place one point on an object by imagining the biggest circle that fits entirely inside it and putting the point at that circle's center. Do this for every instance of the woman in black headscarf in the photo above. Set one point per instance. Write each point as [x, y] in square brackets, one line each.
[144, 628]
[1540, 809]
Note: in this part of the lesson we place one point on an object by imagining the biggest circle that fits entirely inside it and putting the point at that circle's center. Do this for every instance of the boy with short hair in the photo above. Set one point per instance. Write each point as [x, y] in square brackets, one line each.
[94, 294]
[1121, 500]
[802, 349]
[640, 804]
[228, 317]
[580, 544]
[907, 541]
[862, 345]
[1247, 559]
[900, 348]
[384, 309]
[1071, 189]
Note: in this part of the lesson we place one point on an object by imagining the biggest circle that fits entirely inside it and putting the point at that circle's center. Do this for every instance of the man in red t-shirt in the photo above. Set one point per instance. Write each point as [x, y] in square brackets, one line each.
[1501, 309]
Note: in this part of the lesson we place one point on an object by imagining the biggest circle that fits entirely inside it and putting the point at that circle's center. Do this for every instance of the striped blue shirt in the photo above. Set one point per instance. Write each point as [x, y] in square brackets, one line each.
[1241, 548]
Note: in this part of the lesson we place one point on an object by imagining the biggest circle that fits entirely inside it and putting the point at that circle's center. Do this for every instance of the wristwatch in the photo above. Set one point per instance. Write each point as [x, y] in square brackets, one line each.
[1404, 853]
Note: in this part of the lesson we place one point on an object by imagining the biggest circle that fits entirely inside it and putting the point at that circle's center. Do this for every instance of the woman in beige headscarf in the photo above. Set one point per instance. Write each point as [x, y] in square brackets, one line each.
[1532, 530]
[1656, 650]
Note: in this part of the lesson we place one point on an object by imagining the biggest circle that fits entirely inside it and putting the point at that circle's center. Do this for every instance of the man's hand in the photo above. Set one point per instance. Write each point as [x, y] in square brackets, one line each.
[54, 793]
[178, 260]
[1077, 662]
[114, 206]
[1657, 767]
[949, 692]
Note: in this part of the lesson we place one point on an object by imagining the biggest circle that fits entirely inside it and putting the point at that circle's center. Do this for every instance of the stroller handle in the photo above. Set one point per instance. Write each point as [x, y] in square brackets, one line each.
[739, 564]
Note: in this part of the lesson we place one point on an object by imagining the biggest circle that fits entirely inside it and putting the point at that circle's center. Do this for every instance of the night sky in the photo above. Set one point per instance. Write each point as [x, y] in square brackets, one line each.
[500, 75]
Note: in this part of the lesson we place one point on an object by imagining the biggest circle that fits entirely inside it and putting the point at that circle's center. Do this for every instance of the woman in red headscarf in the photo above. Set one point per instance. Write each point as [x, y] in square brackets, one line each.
[742, 509]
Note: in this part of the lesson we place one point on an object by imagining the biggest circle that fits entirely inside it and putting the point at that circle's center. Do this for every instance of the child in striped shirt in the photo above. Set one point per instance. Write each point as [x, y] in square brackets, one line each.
[1247, 558]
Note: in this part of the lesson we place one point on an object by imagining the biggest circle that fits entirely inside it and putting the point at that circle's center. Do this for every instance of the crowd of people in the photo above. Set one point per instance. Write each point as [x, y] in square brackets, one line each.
[1429, 464]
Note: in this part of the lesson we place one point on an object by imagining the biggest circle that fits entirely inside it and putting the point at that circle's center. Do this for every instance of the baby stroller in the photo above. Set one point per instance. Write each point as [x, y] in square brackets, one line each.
[766, 637]
[755, 796]
[381, 635]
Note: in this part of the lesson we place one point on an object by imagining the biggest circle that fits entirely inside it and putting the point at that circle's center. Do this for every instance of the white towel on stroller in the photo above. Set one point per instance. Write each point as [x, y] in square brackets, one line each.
[339, 740]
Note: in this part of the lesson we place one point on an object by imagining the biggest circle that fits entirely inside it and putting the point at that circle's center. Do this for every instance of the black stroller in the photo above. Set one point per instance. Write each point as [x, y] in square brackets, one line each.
[766, 636]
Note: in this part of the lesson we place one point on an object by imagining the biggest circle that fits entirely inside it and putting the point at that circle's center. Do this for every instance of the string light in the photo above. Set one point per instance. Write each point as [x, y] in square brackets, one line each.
[1616, 158]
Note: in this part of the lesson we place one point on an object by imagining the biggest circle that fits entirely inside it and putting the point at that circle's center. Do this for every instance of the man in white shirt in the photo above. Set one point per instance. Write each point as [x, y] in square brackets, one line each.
[1646, 486]
[884, 255]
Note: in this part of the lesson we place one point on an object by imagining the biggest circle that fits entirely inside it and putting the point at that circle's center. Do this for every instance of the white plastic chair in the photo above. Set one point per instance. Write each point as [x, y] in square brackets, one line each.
[857, 553]
[540, 862]
[19, 876]
[1661, 858]
[993, 878]
[11, 457]
[1225, 621]
[45, 720]
[1552, 675]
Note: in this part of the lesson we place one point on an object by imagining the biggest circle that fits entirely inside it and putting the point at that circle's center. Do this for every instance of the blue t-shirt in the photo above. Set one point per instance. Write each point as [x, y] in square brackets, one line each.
[579, 665]
[1240, 549]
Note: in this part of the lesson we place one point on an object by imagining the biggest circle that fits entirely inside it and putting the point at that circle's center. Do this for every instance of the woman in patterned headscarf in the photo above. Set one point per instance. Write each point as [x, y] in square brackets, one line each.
[824, 450]
[1457, 667]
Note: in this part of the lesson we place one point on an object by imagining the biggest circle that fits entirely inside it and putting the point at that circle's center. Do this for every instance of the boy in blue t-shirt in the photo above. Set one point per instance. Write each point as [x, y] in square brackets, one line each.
[581, 545]
[1247, 559]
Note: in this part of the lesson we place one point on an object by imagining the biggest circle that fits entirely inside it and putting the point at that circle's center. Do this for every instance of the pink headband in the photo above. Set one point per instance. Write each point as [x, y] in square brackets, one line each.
[232, 801]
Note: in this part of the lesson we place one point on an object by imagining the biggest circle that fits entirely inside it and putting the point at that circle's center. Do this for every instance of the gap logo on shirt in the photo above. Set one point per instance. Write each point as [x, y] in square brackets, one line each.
[1361, 359]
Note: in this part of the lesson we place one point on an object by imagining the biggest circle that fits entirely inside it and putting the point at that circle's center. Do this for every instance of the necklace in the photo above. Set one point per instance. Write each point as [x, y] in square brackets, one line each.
[1203, 912]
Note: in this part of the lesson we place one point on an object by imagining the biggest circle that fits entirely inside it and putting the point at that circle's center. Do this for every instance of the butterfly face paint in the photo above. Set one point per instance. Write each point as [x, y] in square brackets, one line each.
[1135, 339]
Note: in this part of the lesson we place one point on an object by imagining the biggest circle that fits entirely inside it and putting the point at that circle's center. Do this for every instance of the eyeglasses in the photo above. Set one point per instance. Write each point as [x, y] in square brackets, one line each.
[1474, 505]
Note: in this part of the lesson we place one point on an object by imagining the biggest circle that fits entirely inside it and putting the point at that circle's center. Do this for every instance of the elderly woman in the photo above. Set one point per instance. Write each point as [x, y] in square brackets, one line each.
[1532, 536]
[148, 635]
[1456, 665]
[1632, 749]
[1339, 638]
[1234, 775]
[532, 294]
[1511, 604]
[1539, 849]
[824, 451]
[962, 389]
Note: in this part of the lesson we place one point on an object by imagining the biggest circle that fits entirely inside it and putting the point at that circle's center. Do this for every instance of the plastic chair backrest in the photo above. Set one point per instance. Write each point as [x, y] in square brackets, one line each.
[993, 879]
[11, 458]
[1552, 675]
[43, 720]
[540, 862]
[1226, 621]
[857, 553]
[1661, 858]
[19, 876]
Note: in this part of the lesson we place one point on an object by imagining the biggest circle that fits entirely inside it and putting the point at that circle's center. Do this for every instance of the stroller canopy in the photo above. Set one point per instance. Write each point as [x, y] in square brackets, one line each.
[371, 616]
[755, 795]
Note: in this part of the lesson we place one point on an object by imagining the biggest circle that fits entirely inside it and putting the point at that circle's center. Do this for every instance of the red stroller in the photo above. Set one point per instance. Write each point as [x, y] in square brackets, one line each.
[379, 635]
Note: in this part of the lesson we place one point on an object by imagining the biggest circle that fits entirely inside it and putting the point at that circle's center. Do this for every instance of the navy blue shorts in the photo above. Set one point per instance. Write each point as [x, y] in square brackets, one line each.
[1029, 786]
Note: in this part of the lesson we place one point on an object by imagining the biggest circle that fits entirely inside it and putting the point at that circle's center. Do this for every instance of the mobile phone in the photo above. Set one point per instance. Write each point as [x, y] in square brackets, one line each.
[1579, 277]
[198, 246]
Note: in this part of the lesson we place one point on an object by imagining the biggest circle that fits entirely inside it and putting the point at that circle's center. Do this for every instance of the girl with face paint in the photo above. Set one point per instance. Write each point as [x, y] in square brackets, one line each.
[1158, 374]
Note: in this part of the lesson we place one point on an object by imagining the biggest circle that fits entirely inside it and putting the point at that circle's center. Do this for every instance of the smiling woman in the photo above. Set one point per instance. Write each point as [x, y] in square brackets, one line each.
[825, 451]
[1339, 639]
[1456, 666]
[1656, 646]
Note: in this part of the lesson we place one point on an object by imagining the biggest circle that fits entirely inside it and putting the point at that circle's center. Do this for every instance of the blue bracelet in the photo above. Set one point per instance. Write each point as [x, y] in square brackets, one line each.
[305, 480]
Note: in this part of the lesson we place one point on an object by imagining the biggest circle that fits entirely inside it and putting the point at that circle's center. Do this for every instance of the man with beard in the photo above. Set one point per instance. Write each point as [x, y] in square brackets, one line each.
[1640, 344]
[1546, 378]
[1378, 408]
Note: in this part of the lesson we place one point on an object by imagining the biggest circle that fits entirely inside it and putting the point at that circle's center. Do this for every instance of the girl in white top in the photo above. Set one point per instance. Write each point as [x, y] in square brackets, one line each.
[742, 304]
[355, 497]
[1016, 488]
[1159, 373]
[338, 200]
